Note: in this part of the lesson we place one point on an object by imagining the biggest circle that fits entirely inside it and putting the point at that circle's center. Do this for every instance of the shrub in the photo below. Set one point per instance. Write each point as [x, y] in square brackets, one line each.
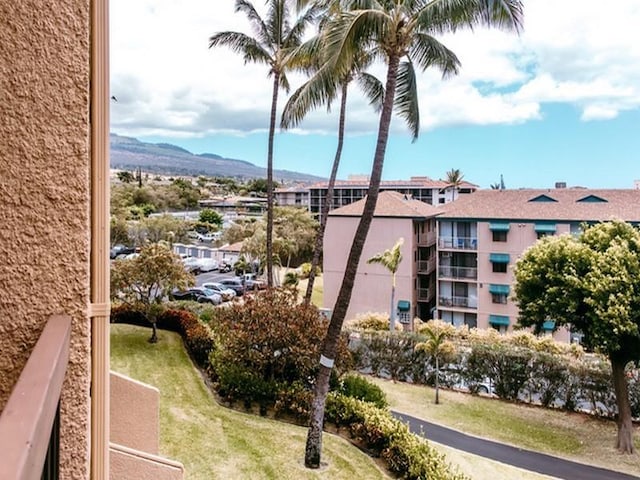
[294, 399]
[392, 354]
[305, 270]
[372, 321]
[291, 279]
[356, 386]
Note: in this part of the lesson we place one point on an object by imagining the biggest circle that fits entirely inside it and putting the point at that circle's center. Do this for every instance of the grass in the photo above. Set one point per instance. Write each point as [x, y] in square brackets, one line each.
[573, 436]
[214, 442]
[317, 294]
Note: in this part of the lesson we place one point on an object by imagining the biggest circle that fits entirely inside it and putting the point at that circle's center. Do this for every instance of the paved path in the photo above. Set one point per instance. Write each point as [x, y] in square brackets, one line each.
[525, 459]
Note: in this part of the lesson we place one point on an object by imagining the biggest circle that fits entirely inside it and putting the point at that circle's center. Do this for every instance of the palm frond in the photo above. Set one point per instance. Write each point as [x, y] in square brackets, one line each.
[427, 52]
[321, 89]
[248, 47]
[406, 100]
[295, 34]
[257, 24]
[372, 88]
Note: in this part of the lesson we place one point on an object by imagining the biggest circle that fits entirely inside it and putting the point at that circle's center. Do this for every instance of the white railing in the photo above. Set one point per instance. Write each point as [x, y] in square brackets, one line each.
[464, 302]
[458, 272]
[458, 243]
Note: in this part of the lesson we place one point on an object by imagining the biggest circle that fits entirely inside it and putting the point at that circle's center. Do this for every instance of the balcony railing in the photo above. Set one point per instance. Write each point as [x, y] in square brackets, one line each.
[464, 302]
[29, 425]
[458, 243]
[426, 266]
[426, 239]
[458, 272]
[424, 294]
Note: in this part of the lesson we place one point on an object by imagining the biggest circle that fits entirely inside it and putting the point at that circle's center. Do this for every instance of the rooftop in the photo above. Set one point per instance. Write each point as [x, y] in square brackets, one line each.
[390, 204]
[415, 182]
[547, 204]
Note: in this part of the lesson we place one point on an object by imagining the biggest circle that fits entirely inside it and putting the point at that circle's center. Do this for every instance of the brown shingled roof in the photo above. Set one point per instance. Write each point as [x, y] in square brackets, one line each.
[518, 204]
[390, 204]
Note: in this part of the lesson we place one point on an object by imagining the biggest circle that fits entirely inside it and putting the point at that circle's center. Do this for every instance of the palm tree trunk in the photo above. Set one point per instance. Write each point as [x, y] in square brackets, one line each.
[328, 350]
[328, 201]
[624, 442]
[392, 316]
[272, 129]
[437, 382]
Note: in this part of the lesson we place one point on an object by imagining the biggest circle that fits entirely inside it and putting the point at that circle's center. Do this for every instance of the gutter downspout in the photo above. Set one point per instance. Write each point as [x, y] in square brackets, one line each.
[100, 307]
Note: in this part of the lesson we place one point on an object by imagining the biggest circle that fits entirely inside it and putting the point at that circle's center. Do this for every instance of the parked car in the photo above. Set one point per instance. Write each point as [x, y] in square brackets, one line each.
[209, 237]
[121, 250]
[198, 294]
[191, 264]
[207, 264]
[236, 284]
[226, 293]
[251, 282]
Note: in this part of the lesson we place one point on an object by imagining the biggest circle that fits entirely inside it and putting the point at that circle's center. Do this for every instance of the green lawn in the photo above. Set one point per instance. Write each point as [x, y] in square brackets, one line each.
[574, 436]
[317, 294]
[214, 442]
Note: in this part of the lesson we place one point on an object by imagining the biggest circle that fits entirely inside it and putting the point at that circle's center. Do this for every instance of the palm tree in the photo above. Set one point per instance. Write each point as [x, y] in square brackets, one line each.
[390, 259]
[454, 180]
[323, 88]
[437, 346]
[274, 45]
[393, 31]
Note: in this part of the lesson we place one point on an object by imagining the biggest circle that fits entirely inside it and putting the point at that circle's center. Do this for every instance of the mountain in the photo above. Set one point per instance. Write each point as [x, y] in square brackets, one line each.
[163, 158]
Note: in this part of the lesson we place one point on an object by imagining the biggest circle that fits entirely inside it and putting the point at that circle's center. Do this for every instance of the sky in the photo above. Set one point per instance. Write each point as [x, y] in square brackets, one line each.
[558, 103]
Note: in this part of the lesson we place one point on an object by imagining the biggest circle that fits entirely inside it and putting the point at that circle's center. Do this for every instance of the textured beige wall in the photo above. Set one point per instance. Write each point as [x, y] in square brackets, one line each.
[135, 414]
[129, 464]
[44, 198]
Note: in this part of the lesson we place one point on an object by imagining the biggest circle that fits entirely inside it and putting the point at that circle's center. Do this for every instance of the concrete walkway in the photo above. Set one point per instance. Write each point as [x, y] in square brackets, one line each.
[525, 459]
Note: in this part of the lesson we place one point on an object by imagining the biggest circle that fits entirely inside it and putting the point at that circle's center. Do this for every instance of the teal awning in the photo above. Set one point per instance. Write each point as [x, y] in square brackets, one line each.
[549, 325]
[499, 289]
[499, 226]
[499, 257]
[498, 320]
[404, 305]
[545, 227]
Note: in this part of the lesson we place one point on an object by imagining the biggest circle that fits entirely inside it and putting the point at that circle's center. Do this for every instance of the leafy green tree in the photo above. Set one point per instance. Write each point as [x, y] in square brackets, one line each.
[274, 44]
[119, 232]
[165, 228]
[390, 259]
[239, 230]
[322, 89]
[438, 346]
[591, 283]
[142, 282]
[403, 29]
[207, 215]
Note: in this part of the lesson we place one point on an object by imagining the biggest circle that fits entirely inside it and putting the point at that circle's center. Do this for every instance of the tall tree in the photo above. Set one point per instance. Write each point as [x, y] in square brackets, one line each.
[393, 31]
[437, 346]
[322, 89]
[390, 259]
[454, 179]
[274, 44]
[592, 283]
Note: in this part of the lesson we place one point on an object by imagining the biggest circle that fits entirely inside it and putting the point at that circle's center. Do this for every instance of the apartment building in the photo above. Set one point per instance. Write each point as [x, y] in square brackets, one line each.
[424, 189]
[396, 216]
[57, 417]
[292, 197]
[481, 236]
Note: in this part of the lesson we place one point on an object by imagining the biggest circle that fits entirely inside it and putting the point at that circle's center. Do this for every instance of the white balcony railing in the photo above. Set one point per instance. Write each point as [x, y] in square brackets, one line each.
[458, 243]
[463, 302]
[458, 272]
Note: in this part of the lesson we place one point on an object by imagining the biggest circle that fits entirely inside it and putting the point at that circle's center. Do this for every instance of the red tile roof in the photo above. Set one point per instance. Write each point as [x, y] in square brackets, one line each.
[518, 204]
[390, 204]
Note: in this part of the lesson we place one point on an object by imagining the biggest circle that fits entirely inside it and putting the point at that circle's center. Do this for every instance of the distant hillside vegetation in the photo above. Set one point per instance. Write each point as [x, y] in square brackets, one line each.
[129, 153]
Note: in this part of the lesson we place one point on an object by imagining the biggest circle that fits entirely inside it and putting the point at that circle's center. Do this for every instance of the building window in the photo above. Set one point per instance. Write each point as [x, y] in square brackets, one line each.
[543, 234]
[499, 236]
[499, 267]
[499, 298]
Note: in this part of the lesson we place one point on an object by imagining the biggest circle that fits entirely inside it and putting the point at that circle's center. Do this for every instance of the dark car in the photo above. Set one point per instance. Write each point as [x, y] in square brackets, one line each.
[200, 295]
[120, 250]
[235, 284]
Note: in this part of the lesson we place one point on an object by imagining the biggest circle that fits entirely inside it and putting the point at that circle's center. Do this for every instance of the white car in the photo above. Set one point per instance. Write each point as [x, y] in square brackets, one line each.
[191, 264]
[207, 264]
[209, 237]
[226, 293]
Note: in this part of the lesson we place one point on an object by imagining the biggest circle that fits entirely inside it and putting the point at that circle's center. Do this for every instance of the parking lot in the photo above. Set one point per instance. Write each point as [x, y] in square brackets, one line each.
[212, 277]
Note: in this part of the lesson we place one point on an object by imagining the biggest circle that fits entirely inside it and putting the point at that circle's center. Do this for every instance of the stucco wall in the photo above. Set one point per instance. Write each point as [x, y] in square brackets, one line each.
[372, 287]
[129, 464]
[44, 198]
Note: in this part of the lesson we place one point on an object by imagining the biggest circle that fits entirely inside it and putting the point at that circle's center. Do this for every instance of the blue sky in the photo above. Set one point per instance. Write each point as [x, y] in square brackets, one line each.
[559, 103]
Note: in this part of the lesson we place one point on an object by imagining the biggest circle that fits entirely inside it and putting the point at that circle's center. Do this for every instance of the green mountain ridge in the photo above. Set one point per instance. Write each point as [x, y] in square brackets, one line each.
[128, 153]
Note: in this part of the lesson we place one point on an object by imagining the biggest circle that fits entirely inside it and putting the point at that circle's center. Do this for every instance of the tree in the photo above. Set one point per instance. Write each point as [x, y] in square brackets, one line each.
[390, 259]
[275, 42]
[154, 229]
[591, 283]
[322, 89]
[437, 346]
[210, 217]
[142, 282]
[454, 180]
[125, 176]
[393, 31]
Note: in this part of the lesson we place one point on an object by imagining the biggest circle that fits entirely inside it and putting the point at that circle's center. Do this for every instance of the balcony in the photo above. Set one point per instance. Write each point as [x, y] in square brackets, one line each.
[458, 243]
[29, 424]
[426, 266]
[426, 239]
[462, 302]
[447, 271]
[425, 294]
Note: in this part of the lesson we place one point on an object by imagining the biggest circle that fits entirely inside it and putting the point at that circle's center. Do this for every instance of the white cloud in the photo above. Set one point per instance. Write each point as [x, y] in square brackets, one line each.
[168, 82]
